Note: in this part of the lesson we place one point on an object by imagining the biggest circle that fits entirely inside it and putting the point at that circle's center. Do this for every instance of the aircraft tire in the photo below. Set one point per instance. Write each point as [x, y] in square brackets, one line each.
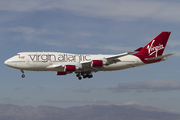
[23, 76]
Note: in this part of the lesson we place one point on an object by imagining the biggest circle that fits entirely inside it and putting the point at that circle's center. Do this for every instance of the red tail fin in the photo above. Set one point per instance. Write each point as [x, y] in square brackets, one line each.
[156, 46]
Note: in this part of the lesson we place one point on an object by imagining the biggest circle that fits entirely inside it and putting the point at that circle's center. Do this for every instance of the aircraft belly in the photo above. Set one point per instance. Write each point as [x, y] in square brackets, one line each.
[33, 66]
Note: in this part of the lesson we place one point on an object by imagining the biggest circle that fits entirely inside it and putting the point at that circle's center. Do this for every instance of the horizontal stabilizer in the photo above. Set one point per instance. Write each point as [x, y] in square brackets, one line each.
[159, 57]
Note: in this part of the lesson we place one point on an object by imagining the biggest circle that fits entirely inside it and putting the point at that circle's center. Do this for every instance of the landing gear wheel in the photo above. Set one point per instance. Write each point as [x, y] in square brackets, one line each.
[77, 75]
[79, 78]
[90, 76]
[23, 76]
[85, 76]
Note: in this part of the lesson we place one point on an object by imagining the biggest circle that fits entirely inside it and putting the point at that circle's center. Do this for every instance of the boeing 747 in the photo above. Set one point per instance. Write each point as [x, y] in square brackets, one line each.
[83, 65]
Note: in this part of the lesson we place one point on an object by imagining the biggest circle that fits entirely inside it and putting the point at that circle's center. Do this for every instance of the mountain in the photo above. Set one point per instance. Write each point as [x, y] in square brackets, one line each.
[89, 112]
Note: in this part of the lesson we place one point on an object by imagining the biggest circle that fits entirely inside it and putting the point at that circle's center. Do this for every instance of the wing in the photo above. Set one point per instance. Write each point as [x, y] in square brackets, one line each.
[106, 61]
[55, 66]
[93, 65]
[114, 57]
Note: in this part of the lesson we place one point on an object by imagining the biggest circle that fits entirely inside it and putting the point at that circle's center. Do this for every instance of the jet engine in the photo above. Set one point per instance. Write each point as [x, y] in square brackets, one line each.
[61, 73]
[69, 68]
[96, 63]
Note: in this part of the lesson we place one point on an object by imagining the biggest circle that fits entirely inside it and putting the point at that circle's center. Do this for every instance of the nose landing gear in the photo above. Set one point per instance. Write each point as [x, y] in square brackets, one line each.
[23, 76]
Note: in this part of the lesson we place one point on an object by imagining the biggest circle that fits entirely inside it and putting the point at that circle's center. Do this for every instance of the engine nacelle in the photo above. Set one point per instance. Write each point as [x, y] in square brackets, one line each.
[61, 73]
[69, 68]
[96, 63]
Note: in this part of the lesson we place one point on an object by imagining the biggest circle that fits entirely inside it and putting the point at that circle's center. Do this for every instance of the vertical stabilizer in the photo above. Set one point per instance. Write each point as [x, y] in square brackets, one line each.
[156, 47]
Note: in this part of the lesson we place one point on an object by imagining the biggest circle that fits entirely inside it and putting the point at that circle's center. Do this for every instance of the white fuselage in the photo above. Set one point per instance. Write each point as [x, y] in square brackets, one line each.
[40, 61]
[84, 64]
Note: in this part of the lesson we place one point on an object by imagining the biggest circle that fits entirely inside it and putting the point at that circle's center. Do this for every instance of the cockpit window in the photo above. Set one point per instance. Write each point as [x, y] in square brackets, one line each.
[17, 54]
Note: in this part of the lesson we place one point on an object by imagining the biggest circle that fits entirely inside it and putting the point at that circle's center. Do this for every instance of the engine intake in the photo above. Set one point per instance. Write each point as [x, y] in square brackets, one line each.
[61, 73]
[97, 63]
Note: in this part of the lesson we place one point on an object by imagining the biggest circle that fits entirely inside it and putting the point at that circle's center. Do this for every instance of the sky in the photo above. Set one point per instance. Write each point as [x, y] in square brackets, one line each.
[90, 27]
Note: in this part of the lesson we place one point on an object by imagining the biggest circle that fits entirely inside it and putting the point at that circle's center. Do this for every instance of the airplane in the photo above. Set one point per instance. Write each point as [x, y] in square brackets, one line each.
[83, 65]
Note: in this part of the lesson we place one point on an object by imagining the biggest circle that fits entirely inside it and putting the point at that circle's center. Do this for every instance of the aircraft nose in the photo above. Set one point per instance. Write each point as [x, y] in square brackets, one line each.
[6, 62]
[9, 63]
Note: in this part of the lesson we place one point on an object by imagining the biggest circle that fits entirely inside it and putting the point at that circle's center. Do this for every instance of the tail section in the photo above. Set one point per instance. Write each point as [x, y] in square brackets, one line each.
[156, 47]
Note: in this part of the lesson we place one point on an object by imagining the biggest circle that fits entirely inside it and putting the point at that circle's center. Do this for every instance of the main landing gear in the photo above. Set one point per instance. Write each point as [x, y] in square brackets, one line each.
[84, 75]
[23, 76]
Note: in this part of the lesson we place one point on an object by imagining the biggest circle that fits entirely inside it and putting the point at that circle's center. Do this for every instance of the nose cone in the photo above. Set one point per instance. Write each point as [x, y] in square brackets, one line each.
[9, 63]
[6, 62]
